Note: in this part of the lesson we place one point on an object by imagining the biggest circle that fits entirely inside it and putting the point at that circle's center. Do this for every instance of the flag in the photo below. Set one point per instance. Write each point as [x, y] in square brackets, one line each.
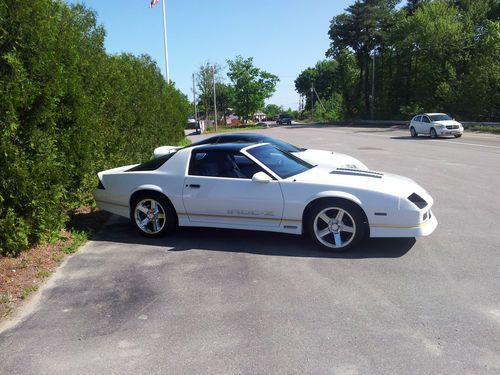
[153, 3]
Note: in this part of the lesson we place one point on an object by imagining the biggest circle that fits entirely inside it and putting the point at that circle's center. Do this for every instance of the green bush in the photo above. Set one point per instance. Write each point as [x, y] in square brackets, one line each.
[68, 110]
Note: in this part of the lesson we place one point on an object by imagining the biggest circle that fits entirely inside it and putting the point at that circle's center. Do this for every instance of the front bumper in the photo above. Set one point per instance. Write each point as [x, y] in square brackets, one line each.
[419, 230]
[449, 131]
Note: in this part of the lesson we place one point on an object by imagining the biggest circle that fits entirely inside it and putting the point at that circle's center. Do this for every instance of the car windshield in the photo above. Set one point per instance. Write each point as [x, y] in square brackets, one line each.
[280, 162]
[442, 117]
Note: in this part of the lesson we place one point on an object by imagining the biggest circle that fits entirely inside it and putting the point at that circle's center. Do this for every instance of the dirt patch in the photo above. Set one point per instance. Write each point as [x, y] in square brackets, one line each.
[22, 275]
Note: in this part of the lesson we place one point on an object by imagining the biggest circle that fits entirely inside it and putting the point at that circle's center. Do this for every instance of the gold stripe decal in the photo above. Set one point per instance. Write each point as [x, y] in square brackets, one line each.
[400, 227]
[236, 217]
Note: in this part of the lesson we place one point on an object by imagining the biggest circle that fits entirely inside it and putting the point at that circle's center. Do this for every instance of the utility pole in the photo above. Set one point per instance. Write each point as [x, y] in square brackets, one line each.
[215, 98]
[194, 102]
[319, 100]
[165, 43]
[312, 101]
[373, 87]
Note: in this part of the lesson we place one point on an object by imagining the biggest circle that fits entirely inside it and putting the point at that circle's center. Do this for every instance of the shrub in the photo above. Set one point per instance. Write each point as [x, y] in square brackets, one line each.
[67, 111]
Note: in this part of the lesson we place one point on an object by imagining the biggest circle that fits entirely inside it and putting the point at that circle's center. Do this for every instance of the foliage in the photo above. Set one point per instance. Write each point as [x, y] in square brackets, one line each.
[205, 77]
[67, 111]
[272, 110]
[430, 55]
[251, 86]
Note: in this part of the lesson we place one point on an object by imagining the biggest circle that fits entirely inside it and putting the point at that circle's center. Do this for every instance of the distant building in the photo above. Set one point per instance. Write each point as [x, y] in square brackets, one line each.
[259, 116]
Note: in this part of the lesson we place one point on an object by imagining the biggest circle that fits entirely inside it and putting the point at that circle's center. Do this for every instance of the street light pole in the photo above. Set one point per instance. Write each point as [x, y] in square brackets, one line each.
[165, 44]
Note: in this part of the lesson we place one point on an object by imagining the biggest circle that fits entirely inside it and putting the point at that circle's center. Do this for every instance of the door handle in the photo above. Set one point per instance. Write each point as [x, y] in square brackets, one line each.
[194, 186]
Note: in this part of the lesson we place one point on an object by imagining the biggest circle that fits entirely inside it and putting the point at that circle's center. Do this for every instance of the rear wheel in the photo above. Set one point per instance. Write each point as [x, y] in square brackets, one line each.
[413, 132]
[336, 225]
[153, 215]
[433, 133]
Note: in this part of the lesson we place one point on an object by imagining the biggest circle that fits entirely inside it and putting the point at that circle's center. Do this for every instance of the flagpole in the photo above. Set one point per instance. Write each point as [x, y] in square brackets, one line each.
[165, 42]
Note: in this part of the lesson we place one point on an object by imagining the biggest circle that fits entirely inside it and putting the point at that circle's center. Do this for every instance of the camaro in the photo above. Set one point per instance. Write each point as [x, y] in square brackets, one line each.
[257, 186]
[316, 157]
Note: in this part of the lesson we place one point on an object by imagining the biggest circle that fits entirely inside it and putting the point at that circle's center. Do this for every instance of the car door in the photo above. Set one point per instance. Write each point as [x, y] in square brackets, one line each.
[426, 125]
[417, 124]
[218, 189]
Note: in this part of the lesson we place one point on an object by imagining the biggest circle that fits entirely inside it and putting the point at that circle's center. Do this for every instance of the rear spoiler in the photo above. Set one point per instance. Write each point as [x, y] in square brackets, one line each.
[165, 150]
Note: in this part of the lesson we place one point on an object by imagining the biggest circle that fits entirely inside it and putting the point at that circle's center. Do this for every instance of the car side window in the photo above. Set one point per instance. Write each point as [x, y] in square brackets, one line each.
[425, 119]
[419, 119]
[222, 164]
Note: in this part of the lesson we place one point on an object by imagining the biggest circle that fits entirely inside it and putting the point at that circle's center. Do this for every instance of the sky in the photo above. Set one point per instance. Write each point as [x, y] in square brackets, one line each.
[283, 36]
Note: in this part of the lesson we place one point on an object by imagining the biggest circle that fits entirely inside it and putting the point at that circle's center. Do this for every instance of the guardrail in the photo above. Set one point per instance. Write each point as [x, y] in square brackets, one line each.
[399, 123]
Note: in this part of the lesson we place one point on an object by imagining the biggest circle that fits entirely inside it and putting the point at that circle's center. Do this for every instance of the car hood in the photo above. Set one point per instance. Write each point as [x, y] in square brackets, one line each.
[447, 122]
[363, 180]
[330, 159]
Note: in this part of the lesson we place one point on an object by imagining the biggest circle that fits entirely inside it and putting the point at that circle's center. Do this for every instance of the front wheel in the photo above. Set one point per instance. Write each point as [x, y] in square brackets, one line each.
[458, 135]
[413, 132]
[152, 215]
[433, 133]
[336, 225]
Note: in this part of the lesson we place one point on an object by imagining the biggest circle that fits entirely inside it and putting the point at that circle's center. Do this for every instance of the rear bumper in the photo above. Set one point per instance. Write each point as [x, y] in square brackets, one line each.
[419, 230]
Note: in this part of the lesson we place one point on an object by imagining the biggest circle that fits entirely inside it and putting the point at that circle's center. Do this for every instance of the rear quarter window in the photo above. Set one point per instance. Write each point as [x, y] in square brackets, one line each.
[152, 165]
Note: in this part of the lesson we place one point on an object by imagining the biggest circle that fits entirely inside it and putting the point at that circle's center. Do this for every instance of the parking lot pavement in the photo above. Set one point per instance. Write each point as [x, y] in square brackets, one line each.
[224, 302]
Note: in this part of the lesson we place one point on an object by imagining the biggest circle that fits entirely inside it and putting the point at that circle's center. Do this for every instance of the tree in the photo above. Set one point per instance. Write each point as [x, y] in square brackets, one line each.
[361, 29]
[225, 94]
[251, 86]
[205, 81]
[273, 110]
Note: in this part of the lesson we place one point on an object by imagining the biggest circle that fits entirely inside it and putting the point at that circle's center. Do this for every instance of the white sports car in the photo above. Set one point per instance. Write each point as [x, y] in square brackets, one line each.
[261, 187]
[322, 158]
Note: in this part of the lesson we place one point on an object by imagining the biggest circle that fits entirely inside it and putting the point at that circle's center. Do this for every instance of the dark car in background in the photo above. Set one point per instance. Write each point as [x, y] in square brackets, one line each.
[284, 118]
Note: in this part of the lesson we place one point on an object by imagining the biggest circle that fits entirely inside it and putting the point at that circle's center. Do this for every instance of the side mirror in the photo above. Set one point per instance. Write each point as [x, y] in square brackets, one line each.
[261, 177]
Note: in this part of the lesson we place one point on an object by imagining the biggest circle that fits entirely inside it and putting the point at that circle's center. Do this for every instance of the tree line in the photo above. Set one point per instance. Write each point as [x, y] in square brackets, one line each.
[67, 110]
[392, 62]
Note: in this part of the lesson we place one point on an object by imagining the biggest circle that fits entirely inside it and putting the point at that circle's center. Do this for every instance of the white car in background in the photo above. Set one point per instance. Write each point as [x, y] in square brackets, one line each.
[322, 158]
[435, 125]
[257, 186]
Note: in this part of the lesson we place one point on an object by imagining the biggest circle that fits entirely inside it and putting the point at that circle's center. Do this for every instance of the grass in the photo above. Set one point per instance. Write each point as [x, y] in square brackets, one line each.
[79, 238]
[234, 128]
[57, 257]
[42, 274]
[27, 291]
[483, 128]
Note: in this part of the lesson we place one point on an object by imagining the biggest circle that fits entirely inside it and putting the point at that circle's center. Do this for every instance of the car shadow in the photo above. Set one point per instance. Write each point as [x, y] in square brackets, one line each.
[420, 138]
[120, 230]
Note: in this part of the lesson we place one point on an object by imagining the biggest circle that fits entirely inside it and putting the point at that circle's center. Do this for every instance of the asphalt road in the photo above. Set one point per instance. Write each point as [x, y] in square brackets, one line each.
[234, 302]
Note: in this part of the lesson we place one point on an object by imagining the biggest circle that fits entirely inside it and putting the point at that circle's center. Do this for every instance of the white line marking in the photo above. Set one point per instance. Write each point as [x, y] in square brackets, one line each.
[448, 143]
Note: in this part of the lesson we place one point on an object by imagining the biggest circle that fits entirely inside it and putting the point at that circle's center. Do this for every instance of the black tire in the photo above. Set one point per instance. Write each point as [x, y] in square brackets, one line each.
[457, 135]
[433, 133]
[160, 218]
[341, 235]
[413, 132]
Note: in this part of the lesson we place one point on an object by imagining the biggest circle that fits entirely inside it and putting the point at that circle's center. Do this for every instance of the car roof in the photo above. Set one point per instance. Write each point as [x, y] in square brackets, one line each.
[433, 114]
[234, 147]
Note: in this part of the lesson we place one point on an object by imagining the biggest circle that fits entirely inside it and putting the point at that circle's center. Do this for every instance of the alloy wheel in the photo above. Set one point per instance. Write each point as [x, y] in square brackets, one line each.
[150, 216]
[334, 227]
